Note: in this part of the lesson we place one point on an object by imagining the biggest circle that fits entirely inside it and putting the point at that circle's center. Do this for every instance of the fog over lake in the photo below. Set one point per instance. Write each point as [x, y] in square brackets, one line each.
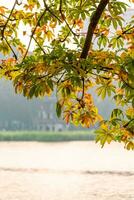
[65, 171]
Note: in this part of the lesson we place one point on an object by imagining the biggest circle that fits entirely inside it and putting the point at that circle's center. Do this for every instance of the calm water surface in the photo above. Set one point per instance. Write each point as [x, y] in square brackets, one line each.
[65, 171]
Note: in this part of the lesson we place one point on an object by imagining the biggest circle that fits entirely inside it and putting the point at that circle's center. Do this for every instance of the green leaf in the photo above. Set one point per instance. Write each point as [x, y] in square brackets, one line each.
[58, 109]
[50, 84]
[32, 91]
[117, 113]
[114, 23]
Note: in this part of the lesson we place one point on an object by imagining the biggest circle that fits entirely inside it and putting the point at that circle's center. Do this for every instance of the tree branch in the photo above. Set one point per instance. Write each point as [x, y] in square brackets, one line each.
[39, 45]
[14, 54]
[19, 3]
[3, 30]
[47, 8]
[125, 125]
[67, 34]
[31, 37]
[124, 32]
[7, 18]
[60, 7]
[92, 25]
[70, 28]
[127, 84]
[63, 17]
[61, 77]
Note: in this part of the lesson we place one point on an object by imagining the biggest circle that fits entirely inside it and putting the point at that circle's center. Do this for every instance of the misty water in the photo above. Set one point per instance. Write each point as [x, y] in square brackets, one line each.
[65, 171]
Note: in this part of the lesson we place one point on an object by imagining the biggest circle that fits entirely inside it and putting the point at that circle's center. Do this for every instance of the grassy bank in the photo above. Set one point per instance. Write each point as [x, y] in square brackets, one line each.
[46, 136]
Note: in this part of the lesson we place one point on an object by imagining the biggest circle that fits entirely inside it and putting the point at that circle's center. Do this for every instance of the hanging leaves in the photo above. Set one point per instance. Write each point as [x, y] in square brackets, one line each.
[71, 61]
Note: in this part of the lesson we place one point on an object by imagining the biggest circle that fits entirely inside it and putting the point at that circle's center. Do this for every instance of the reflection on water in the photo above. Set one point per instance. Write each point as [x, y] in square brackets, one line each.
[65, 171]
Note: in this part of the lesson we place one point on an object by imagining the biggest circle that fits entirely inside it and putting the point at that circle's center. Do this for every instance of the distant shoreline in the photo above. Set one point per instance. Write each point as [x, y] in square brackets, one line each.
[43, 136]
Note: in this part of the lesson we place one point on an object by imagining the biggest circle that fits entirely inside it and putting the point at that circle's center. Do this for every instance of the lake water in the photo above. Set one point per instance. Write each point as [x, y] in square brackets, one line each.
[65, 171]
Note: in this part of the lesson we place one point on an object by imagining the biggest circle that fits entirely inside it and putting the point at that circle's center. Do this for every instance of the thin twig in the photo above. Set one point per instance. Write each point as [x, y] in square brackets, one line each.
[125, 32]
[31, 37]
[127, 84]
[47, 8]
[2, 32]
[39, 45]
[15, 56]
[63, 17]
[67, 35]
[106, 78]
[19, 3]
[128, 123]
[7, 18]
[70, 28]
[61, 77]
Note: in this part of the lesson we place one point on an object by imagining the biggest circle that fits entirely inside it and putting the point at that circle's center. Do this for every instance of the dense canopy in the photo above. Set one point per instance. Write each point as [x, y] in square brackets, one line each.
[72, 60]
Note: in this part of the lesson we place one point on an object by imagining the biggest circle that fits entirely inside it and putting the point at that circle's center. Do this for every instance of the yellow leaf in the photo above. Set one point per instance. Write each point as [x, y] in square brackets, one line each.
[130, 146]
[52, 24]
[2, 9]
[130, 112]
[49, 35]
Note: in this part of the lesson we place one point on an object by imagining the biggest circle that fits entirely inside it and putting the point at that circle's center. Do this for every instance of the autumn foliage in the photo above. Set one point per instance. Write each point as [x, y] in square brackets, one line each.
[72, 62]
